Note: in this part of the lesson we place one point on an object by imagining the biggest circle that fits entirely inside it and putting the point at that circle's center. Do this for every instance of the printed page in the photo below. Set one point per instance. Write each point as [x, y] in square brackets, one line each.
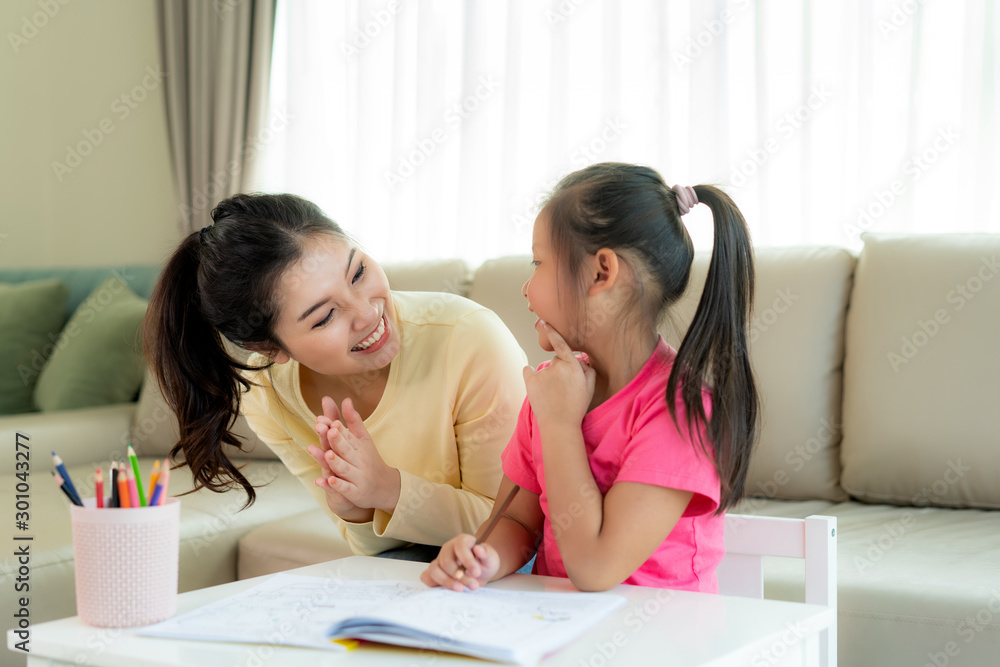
[514, 626]
[286, 610]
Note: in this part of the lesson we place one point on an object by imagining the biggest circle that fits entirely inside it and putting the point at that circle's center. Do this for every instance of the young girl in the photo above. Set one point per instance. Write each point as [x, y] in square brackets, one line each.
[413, 394]
[628, 454]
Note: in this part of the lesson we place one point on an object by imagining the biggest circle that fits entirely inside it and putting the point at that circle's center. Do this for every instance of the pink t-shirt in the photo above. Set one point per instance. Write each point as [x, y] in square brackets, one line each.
[632, 438]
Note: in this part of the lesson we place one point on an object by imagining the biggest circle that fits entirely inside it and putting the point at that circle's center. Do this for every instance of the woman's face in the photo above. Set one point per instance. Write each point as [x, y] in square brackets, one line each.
[335, 313]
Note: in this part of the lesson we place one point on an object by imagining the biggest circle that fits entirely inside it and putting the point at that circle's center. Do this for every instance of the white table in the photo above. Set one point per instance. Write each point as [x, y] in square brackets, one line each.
[656, 626]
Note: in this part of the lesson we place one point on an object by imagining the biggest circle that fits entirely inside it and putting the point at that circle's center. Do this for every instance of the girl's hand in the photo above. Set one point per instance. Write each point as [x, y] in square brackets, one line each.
[352, 465]
[562, 391]
[478, 562]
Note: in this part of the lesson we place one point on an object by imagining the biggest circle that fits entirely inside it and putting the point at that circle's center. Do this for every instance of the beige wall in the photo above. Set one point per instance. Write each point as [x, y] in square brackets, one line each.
[63, 85]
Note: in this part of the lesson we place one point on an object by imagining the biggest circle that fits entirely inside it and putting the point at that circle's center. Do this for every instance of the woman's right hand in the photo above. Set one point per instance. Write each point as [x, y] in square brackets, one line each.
[337, 503]
[478, 564]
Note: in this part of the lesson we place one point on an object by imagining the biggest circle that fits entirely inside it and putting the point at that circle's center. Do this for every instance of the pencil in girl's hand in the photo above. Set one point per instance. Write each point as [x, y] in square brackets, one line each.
[122, 488]
[61, 483]
[133, 490]
[494, 520]
[160, 492]
[58, 463]
[152, 477]
[138, 476]
[114, 485]
[99, 488]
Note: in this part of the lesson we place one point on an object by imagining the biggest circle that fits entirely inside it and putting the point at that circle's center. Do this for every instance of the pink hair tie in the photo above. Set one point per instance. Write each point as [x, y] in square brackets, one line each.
[686, 198]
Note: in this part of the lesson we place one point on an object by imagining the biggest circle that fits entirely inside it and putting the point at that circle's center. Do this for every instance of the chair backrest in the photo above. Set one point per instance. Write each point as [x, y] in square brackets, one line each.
[749, 538]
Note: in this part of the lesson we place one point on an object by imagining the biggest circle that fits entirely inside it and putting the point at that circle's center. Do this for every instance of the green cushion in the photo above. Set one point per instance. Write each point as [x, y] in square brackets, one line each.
[31, 316]
[82, 280]
[98, 359]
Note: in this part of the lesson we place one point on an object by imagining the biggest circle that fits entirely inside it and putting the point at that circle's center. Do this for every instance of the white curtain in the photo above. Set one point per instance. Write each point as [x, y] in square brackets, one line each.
[433, 129]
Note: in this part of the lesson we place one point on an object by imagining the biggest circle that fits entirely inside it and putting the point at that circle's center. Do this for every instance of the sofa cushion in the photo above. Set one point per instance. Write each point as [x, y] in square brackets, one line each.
[97, 359]
[915, 586]
[797, 351]
[497, 285]
[921, 393]
[81, 436]
[304, 539]
[446, 275]
[31, 316]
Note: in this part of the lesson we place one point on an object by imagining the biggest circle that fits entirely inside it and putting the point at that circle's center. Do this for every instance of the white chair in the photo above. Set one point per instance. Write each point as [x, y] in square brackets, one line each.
[749, 538]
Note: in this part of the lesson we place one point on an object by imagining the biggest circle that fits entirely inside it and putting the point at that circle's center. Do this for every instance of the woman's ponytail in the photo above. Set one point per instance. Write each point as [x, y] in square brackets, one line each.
[221, 284]
[198, 378]
[715, 351]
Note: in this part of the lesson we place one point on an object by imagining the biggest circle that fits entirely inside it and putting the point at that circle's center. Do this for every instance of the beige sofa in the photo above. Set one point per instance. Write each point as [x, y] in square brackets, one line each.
[881, 387]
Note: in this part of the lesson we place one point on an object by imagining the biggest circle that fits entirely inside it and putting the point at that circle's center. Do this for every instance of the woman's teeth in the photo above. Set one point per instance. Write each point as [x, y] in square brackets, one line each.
[371, 340]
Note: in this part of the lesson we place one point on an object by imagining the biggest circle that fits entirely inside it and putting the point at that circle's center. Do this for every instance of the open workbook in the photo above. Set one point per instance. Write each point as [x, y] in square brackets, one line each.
[295, 610]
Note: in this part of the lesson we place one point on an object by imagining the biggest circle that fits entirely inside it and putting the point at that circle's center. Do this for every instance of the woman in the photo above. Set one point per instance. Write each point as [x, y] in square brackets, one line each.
[391, 407]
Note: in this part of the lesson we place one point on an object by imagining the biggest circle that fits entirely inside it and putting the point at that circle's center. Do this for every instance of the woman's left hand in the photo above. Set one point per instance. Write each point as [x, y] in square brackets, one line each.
[562, 391]
[359, 473]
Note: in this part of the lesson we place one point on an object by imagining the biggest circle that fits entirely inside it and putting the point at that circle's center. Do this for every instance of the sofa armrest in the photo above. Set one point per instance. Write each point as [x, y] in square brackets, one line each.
[80, 436]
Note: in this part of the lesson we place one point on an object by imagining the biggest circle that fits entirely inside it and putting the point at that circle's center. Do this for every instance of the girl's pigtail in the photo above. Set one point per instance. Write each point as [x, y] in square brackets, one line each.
[715, 351]
[199, 379]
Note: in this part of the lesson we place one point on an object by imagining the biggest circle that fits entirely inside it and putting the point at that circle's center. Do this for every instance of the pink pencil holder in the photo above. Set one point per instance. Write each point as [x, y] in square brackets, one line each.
[126, 563]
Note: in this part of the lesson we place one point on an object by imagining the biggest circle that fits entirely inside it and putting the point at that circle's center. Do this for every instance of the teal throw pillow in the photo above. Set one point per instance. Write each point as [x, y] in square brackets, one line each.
[31, 316]
[98, 358]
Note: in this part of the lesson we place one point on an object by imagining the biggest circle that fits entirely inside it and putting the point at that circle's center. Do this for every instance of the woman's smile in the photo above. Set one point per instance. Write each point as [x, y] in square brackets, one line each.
[376, 339]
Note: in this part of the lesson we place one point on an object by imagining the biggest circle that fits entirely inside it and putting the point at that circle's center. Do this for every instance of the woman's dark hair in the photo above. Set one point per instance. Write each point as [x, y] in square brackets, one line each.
[220, 283]
[631, 210]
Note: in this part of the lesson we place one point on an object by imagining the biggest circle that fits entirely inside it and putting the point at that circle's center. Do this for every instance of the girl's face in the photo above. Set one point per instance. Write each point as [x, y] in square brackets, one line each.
[335, 312]
[541, 289]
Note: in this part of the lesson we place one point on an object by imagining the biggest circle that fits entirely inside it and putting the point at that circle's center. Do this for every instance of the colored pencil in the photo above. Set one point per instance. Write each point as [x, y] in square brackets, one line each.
[160, 492]
[138, 476]
[122, 488]
[133, 491]
[152, 477]
[165, 473]
[58, 463]
[114, 484]
[61, 483]
[494, 520]
[99, 487]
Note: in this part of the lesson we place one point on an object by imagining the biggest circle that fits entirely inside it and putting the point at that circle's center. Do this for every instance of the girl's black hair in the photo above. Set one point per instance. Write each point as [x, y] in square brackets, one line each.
[220, 282]
[631, 210]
